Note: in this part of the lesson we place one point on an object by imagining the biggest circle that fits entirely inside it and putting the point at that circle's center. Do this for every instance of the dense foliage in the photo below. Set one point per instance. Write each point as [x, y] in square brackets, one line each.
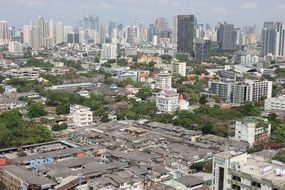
[16, 132]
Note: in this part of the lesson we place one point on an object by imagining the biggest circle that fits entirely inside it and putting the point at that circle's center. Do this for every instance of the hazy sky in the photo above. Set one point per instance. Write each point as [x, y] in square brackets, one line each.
[238, 12]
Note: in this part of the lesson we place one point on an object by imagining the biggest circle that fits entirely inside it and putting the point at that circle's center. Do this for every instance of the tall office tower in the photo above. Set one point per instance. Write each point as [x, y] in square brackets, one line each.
[91, 22]
[111, 29]
[59, 32]
[200, 31]
[67, 30]
[5, 35]
[103, 33]
[185, 33]
[174, 33]
[50, 39]
[150, 32]
[34, 37]
[239, 37]
[161, 28]
[273, 39]
[85, 22]
[82, 36]
[226, 36]
[96, 24]
[42, 31]
[109, 51]
[27, 35]
[202, 49]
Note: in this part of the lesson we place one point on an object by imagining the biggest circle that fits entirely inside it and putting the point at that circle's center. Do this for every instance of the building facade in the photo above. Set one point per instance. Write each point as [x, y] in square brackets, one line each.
[81, 115]
[178, 68]
[167, 101]
[185, 34]
[163, 81]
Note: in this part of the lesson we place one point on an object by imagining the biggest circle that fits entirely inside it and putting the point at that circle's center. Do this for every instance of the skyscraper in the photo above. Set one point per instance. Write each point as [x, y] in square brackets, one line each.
[273, 39]
[27, 36]
[59, 32]
[185, 34]
[226, 36]
[5, 34]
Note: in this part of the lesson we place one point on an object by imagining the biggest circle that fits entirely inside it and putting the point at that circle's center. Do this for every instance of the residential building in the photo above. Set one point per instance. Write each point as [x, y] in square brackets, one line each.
[249, 58]
[185, 34]
[226, 36]
[27, 35]
[252, 130]
[81, 115]
[251, 90]
[167, 100]
[163, 81]
[273, 39]
[236, 170]
[15, 47]
[109, 51]
[15, 177]
[5, 34]
[178, 68]
[202, 49]
[59, 32]
[275, 103]
[238, 92]
[221, 88]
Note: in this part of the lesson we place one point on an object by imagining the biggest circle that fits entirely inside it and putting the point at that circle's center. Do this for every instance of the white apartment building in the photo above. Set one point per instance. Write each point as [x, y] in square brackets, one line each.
[238, 92]
[163, 81]
[240, 171]
[81, 115]
[249, 58]
[167, 100]
[275, 103]
[109, 51]
[15, 47]
[178, 68]
[251, 129]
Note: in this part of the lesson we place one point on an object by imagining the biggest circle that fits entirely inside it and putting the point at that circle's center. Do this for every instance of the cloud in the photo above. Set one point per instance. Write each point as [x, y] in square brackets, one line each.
[249, 5]
[280, 6]
[220, 10]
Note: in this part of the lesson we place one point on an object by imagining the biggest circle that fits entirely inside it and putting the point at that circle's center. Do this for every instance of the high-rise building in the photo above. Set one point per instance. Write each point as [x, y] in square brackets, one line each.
[251, 90]
[109, 51]
[202, 49]
[273, 39]
[185, 34]
[27, 35]
[178, 68]
[59, 32]
[5, 34]
[226, 36]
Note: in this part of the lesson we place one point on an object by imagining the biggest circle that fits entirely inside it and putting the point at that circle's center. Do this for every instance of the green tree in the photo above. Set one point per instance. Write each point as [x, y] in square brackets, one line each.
[203, 100]
[62, 109]
[60, 127]
[144, 93]
[36, 110]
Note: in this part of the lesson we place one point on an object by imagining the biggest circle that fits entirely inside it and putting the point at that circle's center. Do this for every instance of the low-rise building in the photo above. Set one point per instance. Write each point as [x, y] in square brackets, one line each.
[251, 129]
[236, 170]
[275, 103]
[81, 115]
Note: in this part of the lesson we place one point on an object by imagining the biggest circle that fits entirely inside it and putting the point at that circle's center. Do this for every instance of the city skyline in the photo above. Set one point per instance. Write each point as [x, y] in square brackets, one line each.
[240, 12]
